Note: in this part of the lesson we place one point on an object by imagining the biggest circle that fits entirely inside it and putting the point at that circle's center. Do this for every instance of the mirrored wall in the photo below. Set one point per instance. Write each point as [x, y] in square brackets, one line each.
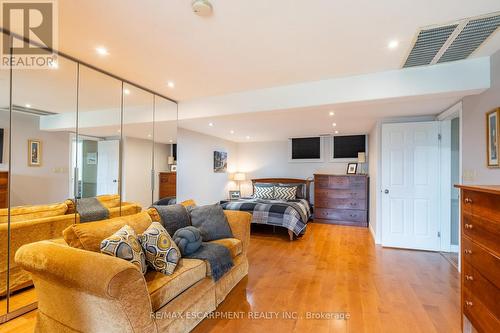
[71, 135]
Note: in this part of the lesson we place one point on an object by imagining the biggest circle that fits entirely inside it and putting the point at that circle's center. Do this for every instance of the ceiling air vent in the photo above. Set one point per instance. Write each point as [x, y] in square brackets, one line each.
[428, 44]
[451, 42]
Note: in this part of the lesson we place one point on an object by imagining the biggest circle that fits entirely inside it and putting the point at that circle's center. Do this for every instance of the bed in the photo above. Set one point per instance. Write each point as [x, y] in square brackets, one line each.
[291, 214]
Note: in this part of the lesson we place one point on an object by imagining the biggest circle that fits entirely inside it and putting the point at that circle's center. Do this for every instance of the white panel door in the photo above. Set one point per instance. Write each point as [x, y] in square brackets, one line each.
[108, 166]
[410, 185]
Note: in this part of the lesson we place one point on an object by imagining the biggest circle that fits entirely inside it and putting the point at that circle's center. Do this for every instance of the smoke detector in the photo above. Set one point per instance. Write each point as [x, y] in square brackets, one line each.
[202, 7]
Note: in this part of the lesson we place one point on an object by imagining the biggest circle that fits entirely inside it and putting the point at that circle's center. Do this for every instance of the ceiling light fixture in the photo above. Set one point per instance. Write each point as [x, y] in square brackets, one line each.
[171, 84]
[53, 65]
[248, 137]
[231, 131]
[126, 91]
[331, 113]
[28, 105]
[211, 124]
[334, 124]
[336, 132]
[170, 141]
[202, 7]
[393, 44]
[101, 51]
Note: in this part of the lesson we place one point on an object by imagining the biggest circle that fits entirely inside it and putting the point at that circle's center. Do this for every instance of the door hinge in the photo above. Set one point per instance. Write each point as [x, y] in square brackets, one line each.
[439, 136]
[439, 234]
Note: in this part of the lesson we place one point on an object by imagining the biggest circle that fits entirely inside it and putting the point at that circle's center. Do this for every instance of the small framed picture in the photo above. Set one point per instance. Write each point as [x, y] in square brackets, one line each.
[492, 124]
[352, 168]
[34, 153]
[173, 168]
[234, 195]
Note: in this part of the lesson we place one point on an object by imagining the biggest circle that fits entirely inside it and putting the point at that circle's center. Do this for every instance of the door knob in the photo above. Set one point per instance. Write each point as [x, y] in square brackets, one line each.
[386, 191]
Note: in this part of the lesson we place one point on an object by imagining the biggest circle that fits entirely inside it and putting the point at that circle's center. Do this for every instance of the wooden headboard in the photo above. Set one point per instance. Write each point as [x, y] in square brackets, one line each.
[306, 182]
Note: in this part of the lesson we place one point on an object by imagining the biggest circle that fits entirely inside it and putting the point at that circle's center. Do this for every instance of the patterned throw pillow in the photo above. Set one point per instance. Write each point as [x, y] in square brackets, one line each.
[125, 245]
[263, 191]
[285, 192]
[162, 253]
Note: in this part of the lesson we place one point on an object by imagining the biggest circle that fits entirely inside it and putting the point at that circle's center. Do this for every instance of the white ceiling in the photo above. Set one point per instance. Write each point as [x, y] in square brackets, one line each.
[352, 118]
[253, 44]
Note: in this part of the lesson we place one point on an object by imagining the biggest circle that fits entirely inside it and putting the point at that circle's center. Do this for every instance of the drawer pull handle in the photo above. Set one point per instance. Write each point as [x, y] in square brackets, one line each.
[468, 226]
[468, 303]
[469, 278]
[468, 200]
[467, 251]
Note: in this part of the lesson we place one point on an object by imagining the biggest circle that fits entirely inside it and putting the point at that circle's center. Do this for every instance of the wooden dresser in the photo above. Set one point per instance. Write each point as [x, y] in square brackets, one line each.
[4, 189]
[341, 199]
[168, 184]
[480, 245]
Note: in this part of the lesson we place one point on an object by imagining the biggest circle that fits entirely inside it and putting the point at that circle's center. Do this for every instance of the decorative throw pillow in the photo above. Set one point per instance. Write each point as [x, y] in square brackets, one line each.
[162, 254]
[301, 189]
[125, 245]
[285, 192]
[173, 217]
[211, 221]
[188, 240]
[263, 191]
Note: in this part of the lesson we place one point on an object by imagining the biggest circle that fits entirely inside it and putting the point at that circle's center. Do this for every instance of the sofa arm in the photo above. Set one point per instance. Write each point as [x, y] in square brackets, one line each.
[240, 226]
[95, 286]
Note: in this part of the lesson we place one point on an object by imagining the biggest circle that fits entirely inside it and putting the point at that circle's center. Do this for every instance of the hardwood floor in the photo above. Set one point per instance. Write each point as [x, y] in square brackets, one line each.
[333, 269]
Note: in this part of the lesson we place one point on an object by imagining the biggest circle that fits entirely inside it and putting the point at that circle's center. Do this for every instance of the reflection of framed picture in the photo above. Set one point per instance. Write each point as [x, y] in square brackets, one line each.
[173, 168]
[220, 161]
[492, 124]
[234, 195]
[34, 153]
[92, 158]
[352, 168]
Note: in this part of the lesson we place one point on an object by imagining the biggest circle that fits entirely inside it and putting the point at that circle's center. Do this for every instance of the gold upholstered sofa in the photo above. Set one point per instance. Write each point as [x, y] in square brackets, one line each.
[82, 290]
[34, 223]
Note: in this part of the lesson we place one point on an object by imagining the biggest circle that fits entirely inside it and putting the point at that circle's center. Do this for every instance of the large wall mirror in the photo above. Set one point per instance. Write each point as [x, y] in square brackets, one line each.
[73, 137]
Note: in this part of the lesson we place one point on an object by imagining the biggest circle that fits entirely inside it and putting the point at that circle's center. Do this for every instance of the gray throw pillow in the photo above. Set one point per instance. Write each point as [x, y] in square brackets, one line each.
[173, 217]
[211, 221]
[188, 240]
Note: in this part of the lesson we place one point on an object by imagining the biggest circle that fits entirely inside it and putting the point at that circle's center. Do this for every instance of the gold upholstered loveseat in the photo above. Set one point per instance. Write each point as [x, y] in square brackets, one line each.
[34, 223]
[82, 290]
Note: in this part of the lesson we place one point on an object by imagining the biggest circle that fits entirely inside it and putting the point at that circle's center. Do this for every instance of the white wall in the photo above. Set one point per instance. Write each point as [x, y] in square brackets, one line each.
[474, 130]
[373, 167]
[195, 170]
[48, 183]
[270, 159]
[137, 159]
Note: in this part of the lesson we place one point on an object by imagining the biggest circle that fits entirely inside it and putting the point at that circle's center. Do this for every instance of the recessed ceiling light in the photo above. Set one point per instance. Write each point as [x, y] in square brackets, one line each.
[101, 51]
[171, 84]
[119, 131]
[334, 124]
[28, 105]
[126, 91]
[149, 135]
[331, 113]
[336, 132]
[231, 131]
[54, 65]
[248, 137]
[170, 141]
[393, 44]
[211, 124]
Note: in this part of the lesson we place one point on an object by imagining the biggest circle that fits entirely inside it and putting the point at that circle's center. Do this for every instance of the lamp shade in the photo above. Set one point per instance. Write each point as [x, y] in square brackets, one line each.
[361, 157]
[170, 160]
[239, 176]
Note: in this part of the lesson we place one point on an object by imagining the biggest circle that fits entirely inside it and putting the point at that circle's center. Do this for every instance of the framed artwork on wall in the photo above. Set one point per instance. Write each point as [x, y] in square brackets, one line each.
[34, 153]
[492, 124]
[220, 161]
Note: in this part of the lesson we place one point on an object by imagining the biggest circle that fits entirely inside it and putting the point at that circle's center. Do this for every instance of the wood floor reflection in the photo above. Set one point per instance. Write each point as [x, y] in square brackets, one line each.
[332, 270]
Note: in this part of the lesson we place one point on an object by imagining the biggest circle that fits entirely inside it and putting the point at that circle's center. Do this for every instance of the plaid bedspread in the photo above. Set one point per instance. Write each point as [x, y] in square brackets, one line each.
[291, 214]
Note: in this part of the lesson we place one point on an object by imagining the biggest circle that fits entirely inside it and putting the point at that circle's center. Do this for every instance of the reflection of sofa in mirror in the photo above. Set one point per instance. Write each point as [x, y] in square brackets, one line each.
[34, 223]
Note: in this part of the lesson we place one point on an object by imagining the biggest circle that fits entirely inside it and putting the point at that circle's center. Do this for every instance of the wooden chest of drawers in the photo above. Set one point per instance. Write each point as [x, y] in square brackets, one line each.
[168, 184]
[341, 199]
[480, 245]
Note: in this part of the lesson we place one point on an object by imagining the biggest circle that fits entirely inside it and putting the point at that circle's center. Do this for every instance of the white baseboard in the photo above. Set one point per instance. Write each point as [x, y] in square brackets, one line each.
[454, 248]
[372, 233]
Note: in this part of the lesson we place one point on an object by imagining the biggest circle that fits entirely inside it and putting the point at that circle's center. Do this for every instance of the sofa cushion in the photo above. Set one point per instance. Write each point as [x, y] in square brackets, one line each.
[88, 236]
[162, 254]
[211, 221]
[25, 213]
[234, 245]
[125, 245]
[163, 288]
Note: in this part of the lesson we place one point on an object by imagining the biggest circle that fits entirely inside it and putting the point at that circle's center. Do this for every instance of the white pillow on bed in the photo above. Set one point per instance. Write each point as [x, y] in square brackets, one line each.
[285, 192]
[263, 191]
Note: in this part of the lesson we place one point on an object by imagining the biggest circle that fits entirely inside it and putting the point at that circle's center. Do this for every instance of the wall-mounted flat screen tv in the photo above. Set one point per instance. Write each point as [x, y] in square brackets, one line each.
[306, 148]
